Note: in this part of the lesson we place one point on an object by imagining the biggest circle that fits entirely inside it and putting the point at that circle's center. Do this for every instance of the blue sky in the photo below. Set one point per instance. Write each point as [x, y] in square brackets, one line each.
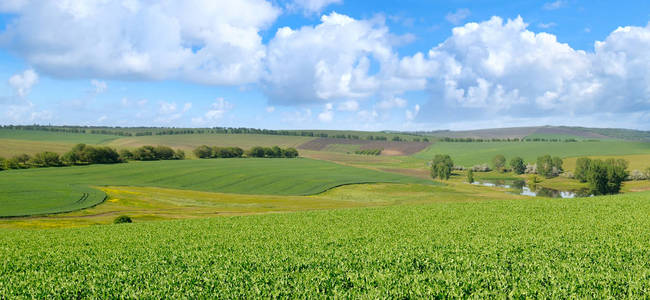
[285, 64]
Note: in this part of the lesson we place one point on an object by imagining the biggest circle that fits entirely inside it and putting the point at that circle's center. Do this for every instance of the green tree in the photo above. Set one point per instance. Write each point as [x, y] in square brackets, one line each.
[256, 151]
[545, 166]
[499, 163]
[470, 176]
[163, 152]
[179, 154]
[145, 153]
[441, 166]
[46, 159]
[3, 163]
[557, 163]
[290, 153]
[517, 165]
[606, 177]
[582, 169]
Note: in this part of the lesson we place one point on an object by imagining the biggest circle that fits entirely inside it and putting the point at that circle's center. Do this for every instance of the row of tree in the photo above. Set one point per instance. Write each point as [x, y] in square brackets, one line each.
[481, 140]
[205, 151]
[82, 154]
[150, 131]
[369, 151]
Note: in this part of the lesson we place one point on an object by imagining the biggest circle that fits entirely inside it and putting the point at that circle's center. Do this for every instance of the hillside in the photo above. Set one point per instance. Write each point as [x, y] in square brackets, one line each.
[545, 131]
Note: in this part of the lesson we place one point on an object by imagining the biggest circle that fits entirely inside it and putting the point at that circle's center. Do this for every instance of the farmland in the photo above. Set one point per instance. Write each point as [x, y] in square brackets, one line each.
[536, 247]
[48, 190]
[468, 154]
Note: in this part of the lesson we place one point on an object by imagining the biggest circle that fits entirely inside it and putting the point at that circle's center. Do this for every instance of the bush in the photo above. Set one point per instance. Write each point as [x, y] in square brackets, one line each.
[481, 168]
[125, 154]
[470, 176]
[46, 159]
[637, 175]
[203, 151]
[2, 163]
[369, 151]
[122, 219]
[582, 168]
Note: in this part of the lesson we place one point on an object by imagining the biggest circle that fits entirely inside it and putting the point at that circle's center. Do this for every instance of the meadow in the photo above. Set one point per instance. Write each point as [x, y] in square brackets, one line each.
[521, 248]
[469, 154]
[49, 190]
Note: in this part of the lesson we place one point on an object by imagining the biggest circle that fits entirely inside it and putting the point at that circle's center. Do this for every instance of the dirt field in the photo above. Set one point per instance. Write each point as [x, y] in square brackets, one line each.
[390, 148]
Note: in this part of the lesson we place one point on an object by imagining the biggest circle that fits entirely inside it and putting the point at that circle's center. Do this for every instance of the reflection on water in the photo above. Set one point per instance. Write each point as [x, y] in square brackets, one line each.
[520, 187]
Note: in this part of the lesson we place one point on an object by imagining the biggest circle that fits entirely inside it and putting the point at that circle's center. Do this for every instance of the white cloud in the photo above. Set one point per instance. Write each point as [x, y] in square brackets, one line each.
[100, 86]
[270, 109]
[350, 105]
[327, 115]
[216, 112]
[204, 41]
[391, 103]
[331, 61]
[554, 5]
[314, 6]
[167, 107]
[412, 114]
[458, 17]
[22, 83]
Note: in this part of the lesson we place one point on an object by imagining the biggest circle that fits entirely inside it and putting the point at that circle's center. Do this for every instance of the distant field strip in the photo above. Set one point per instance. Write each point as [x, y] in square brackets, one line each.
[191, 141]
[390, 147]
[468, 154]
[49, 190]
[51, 136]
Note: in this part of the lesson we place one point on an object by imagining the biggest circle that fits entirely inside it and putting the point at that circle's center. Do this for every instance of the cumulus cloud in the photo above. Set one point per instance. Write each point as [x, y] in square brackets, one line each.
[328, 62]
[412, 114]
[313, 6]
[204, 41]
[457, 17]
[216, 112]
[500, 68]
[22, 83]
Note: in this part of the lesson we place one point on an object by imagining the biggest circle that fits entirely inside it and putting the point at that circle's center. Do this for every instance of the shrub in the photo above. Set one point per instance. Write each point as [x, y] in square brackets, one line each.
[163, 152]
[179, 154]
[2, 163]
[125, 154]
[582, 168]
[122, 219]
[46, 159]
[470, 176]
[606, 177]
[481, 168]
[203, 151]
[369, 151]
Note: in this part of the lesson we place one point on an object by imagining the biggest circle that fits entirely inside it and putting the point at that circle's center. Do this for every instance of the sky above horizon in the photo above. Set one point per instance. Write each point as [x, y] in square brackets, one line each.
[326, 64]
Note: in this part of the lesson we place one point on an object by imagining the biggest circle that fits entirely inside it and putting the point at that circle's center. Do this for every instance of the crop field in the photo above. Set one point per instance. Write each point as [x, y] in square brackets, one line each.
[535, 247]
[51, 136]
[190, 141]
[637, 162]
[11, 147]
[468, 154]
[25, 192]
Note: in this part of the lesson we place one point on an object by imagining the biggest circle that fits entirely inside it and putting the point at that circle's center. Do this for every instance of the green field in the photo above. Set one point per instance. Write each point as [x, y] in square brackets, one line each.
[469, 154]
[530, 248]
[48, 190]
[51, 136]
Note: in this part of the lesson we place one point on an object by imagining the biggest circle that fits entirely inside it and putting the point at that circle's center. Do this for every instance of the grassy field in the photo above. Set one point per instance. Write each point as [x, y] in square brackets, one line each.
[522, 248]
[468, 154]
[190, 141]
[47, 190]
[50, 136]
[637, 162]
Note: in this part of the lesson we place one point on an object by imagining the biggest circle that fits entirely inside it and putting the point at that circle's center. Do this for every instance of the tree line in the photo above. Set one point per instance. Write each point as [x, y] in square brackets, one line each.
[205, 151]
[82, 154]
[484, 140]
[369, 151]
[150, 131]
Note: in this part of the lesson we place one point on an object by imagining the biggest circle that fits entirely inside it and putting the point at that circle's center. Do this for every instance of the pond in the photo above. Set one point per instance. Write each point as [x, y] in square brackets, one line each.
[521, 188]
